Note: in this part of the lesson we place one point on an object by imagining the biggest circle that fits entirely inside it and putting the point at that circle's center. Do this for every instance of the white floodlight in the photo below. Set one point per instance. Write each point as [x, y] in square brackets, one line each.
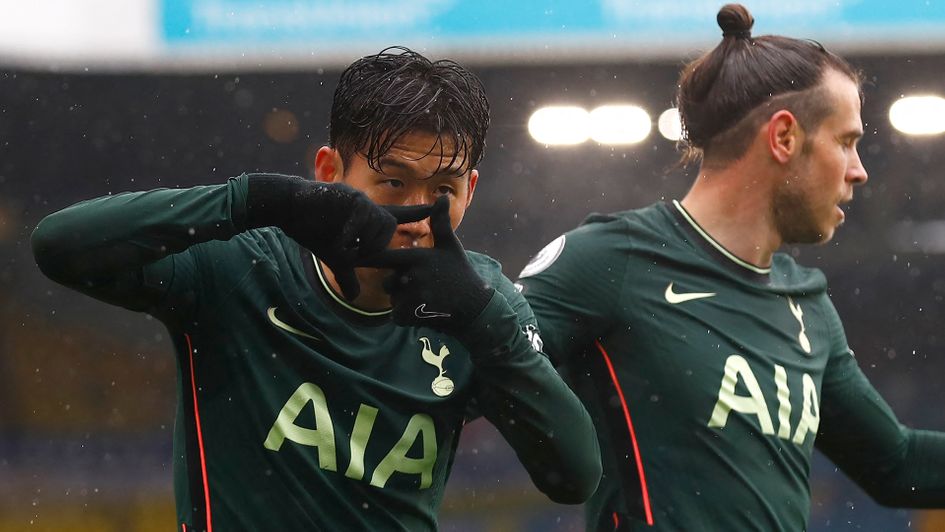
[918, 115]
[559, 125]
[620, 124]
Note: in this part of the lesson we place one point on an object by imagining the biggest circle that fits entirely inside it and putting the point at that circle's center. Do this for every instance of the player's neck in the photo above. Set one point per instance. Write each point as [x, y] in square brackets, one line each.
[372, 297]
[734, 208]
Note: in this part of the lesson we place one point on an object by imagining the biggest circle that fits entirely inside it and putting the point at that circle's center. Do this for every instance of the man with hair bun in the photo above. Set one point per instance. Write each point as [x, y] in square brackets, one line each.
[332, 335]
[712, 364]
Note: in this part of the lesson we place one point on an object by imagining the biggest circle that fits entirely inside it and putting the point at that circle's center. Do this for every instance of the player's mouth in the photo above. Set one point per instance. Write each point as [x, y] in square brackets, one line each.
[839, 208]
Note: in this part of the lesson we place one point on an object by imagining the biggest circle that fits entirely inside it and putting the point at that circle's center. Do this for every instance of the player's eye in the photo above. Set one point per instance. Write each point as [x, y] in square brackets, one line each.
[445, 190]
[393, 183]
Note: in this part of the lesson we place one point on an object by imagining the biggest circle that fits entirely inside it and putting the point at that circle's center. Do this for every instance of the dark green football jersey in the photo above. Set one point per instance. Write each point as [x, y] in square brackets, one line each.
[361, 416]
[296, 410]
[704, 374]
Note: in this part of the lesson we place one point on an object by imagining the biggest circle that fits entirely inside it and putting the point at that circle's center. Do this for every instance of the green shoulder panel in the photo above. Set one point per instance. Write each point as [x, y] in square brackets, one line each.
[575, 282]
[491, 271]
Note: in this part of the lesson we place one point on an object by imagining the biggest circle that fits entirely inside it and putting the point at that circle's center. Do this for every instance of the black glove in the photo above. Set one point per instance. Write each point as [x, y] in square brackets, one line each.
[332, 220]
[434, 287]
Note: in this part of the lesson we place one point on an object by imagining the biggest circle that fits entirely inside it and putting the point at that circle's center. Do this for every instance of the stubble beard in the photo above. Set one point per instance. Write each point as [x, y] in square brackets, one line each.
[793, 213]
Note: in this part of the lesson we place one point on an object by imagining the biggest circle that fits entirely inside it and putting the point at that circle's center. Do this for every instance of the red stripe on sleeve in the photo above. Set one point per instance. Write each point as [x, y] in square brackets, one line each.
[203, 459]
[633, 434]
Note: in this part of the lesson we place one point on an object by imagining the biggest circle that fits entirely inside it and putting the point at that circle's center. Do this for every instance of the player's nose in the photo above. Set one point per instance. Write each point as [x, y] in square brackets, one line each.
[416, 230]
[421, 228]
[856, 172]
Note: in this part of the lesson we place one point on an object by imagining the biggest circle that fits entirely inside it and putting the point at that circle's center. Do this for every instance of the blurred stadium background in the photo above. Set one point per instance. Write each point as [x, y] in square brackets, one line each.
[103, 96]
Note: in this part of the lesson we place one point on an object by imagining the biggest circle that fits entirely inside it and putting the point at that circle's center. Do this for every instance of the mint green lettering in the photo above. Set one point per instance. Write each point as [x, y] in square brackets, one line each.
[363, 425]
[810, 413]
[322, 437]
[397, 460]
[735, 367]
[784, 402]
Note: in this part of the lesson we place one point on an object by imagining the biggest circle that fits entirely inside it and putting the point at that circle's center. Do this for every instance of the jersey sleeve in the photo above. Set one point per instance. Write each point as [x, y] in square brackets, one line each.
[520, 393]
[574, 284]
[523, 311]
[896, 465]
[136, 249]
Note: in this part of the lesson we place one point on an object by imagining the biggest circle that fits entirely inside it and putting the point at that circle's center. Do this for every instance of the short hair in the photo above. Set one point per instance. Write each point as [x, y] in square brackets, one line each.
[725, 94]
[381, 97]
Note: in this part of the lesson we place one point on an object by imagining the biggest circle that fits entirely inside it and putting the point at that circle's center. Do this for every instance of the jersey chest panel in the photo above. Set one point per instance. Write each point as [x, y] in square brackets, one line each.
[731, 362]
[286, 383]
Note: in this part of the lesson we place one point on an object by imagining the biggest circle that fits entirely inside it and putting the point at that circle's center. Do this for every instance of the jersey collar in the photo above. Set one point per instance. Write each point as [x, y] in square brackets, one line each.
[745, 267]
[317, 266]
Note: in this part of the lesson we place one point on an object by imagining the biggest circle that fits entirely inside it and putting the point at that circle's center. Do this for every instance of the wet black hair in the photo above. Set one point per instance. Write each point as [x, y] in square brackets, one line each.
[381, 97]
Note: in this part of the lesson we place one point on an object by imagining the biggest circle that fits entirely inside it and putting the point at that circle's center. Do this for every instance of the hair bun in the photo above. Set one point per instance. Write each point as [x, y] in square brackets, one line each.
[735, 21]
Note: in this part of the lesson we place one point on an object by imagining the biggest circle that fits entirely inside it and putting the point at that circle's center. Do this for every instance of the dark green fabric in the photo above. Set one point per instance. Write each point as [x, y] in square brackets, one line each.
[259, 338]
[721, 325]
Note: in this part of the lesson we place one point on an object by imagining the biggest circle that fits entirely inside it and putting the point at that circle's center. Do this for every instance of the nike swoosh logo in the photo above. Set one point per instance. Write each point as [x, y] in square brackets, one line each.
[421, 312]
[675, 298]
[286, 327]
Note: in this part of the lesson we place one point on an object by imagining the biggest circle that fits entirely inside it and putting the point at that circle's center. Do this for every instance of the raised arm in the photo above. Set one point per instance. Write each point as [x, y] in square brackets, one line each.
[127, 249]
[102, 246]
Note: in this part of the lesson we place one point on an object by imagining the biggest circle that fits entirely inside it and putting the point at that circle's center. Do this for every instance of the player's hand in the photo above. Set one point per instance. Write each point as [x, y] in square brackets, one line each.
[337, 223]
[434, 287]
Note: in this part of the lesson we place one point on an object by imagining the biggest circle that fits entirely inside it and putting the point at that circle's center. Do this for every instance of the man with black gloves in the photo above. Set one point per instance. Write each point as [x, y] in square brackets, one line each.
[324, 373]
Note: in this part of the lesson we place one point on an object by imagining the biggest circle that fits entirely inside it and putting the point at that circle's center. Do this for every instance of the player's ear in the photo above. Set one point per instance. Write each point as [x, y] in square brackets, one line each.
[783, 136]
[473, 179]
[329, 167]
